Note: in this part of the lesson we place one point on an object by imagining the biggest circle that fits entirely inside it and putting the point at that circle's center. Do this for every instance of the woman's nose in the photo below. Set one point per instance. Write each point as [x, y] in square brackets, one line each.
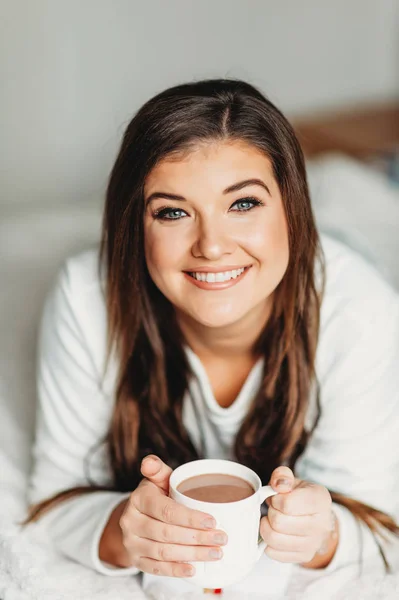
[213, 241]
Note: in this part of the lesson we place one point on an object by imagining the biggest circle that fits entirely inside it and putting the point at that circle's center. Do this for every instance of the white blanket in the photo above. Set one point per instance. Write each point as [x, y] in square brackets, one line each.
[30, 568]
[31, 248]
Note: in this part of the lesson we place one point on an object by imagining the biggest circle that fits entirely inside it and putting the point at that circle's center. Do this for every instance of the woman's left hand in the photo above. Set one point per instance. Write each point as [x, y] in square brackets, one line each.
[300, 521]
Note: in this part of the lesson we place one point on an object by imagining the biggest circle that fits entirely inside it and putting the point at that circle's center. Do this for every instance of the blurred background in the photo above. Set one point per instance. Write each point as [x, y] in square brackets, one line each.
[73, 72]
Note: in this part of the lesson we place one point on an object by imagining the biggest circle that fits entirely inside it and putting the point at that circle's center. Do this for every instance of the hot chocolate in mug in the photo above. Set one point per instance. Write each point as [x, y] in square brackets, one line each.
[240, 520]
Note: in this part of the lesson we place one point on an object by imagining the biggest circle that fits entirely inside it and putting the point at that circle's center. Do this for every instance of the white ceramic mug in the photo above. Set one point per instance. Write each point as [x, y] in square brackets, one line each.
[240, 521]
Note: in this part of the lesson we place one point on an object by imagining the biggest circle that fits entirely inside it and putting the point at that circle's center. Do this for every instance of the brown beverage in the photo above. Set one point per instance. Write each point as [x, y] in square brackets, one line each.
[216, 487]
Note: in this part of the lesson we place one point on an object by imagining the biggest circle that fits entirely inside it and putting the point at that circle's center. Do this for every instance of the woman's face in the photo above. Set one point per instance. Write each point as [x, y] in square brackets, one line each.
[216, 241]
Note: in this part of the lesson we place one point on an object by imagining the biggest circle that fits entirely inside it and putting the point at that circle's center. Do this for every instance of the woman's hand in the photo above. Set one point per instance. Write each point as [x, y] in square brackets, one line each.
[300, 524]
[160, 535]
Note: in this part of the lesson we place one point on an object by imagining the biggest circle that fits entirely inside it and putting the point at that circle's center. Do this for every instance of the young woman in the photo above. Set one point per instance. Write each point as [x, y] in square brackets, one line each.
[215, 328]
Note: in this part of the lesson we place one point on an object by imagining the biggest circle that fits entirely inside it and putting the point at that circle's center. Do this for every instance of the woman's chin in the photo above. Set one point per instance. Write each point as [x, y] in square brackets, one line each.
[214, 321]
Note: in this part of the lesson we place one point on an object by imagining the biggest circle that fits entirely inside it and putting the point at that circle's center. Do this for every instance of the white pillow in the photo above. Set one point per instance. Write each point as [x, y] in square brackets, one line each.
[359, 206]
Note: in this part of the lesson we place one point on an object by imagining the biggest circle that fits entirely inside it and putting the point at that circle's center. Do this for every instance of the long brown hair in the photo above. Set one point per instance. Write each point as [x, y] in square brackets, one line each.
[143, 331]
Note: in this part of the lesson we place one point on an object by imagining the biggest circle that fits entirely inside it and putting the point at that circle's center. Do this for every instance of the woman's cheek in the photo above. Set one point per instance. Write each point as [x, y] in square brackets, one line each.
[270, 248]
[156, 243]
[165, 251]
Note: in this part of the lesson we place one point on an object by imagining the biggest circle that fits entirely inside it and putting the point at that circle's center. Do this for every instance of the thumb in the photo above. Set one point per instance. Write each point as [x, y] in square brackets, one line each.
[282, 480]
[156, 471]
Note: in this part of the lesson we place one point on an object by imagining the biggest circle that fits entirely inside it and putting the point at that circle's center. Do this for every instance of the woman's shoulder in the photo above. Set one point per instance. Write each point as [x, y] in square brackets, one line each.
[83, 284]
[76, 304]
[354, 286]
[82, 270]
[359, 317]
[79, 280]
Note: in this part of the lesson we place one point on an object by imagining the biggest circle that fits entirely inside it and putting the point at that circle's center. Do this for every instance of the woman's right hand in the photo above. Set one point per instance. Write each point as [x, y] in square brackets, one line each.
[159, 535]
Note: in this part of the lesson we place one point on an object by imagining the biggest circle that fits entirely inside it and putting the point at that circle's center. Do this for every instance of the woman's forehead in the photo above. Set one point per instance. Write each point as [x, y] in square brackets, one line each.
[216, 165]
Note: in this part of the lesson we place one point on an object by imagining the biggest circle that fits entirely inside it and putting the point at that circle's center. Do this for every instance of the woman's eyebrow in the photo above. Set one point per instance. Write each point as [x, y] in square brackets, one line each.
[157, 195]
[232, 188]
[242, 184]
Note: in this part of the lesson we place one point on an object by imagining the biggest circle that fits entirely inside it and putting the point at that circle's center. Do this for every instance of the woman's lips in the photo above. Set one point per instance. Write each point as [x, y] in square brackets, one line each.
[217, 285]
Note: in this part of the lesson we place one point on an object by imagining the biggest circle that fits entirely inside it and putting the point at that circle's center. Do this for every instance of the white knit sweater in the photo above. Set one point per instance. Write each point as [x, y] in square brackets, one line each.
[354, 449]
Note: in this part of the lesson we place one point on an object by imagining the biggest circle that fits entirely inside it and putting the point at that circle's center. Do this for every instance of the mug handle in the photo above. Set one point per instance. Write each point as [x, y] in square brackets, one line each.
[265, 492]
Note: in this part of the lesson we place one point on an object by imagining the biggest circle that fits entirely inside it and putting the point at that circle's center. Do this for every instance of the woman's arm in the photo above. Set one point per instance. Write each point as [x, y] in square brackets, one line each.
[111, 548]
[73, 415]
[353, 449]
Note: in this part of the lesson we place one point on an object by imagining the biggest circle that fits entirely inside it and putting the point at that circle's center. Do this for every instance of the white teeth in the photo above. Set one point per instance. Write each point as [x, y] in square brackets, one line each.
[218, 277]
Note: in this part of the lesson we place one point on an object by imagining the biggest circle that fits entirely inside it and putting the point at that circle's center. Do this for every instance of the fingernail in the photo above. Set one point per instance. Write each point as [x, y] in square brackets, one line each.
[188, 572]
[156, 464]
[220, 538]
[214, 554]
[153, 458]
[209, 523]
[283, 481]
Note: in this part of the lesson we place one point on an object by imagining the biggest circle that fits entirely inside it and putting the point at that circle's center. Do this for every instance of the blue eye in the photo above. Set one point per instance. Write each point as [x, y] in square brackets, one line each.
[246, 204]
[169, 214]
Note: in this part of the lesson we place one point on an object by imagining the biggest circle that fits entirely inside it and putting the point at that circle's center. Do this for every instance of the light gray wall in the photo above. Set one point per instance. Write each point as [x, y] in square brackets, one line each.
[74, 71]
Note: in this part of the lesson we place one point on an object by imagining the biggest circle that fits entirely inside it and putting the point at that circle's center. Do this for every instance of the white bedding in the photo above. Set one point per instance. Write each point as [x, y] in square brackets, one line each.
[351, 202]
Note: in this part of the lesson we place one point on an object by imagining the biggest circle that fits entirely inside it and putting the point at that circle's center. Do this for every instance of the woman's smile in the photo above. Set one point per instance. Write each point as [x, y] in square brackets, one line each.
[216, 279]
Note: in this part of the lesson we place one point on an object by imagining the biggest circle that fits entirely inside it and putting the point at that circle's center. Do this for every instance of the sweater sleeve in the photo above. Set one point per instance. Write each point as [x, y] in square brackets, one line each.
[73, 416]
[354, 448]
